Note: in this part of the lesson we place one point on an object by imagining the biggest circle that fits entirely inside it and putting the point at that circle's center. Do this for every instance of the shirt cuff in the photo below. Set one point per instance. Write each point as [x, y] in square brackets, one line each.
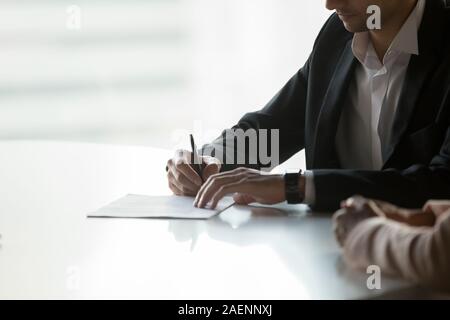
[310, 190]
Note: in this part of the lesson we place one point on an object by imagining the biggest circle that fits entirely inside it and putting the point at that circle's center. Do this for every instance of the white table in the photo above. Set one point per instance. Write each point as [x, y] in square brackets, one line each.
[49, 249]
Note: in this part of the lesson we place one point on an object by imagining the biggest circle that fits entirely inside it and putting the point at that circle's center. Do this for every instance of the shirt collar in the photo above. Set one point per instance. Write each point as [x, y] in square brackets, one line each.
[406, 40]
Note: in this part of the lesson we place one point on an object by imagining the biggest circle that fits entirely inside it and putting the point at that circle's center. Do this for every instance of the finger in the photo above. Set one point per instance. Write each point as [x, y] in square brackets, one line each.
[210, 167]
[180, 191]
[375, 209]
[359, 202]
[207, 160]
[348, 203]
[386, 207]
[339, 218]
[339, 213]
[212, 178]
[437, 207]
[428, 206]
[382, 204]
[239, 186]
[184, 174]
[340, 234]
[225, 177]
[185, 186]
[337, 232]
[205, 186]
[182, 181]
[188, 171]
[182, 164]
[340, 237]
[173, 165]
[356, 201]
[174, 189]
[205, 194]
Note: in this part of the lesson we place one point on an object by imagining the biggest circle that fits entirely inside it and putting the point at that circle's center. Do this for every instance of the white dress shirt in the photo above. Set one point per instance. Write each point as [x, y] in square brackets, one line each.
[366, 120]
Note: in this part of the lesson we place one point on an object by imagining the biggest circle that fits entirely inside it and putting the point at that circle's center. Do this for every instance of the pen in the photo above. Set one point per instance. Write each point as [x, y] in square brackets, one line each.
[195, 159]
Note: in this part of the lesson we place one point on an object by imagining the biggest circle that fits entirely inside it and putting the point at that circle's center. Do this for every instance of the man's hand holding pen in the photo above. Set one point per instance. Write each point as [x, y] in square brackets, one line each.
[190, 174]
[247, 185]
[183, 178]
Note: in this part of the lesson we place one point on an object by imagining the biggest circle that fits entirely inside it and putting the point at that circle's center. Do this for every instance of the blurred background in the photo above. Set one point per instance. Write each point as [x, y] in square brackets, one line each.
[145, 72]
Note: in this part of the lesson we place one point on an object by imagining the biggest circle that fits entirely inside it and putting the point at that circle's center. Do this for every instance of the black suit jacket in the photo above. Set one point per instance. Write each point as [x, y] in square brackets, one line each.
[307, 111]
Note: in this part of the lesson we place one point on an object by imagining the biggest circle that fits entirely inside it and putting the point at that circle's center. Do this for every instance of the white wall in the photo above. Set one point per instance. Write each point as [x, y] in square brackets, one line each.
[146, 71]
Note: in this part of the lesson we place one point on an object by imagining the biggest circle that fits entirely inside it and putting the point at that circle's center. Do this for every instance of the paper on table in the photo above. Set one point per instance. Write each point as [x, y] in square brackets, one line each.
[175, 207]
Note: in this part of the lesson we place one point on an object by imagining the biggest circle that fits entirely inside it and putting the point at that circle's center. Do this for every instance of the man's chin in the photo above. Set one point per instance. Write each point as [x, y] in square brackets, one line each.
[353, 23]
[354, 28]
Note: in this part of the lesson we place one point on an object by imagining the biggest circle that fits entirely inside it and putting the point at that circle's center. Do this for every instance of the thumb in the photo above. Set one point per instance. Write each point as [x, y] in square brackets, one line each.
[437, 207]
[243, 199]
[211, 166]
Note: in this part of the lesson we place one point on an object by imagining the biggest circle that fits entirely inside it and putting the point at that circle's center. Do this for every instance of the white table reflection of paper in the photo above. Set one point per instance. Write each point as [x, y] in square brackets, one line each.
[174, 207]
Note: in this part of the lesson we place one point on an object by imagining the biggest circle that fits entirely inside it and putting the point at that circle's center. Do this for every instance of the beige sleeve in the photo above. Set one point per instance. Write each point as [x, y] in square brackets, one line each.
[421, 255]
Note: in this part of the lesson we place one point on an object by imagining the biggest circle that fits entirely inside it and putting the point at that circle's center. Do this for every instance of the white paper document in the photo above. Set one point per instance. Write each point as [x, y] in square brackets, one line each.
[174, 207]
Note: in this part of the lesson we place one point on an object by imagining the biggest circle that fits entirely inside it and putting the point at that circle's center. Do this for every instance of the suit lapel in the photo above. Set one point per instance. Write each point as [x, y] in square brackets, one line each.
[419, 71]
[417, 74]
[324, 150]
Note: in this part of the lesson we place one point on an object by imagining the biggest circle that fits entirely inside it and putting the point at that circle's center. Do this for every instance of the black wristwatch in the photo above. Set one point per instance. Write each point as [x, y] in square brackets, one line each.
[292, 188]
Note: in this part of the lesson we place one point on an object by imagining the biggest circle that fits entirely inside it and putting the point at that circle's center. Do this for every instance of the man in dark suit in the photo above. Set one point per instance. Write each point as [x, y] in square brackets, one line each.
[371, 107]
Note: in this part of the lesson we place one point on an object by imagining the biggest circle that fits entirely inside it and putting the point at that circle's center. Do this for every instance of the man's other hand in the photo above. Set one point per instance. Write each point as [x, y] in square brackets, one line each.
[247, 185]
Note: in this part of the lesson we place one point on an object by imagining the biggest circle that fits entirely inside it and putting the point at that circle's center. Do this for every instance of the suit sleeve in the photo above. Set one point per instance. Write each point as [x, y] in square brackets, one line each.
[409, 188]
[420, 255]
[284, 113]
